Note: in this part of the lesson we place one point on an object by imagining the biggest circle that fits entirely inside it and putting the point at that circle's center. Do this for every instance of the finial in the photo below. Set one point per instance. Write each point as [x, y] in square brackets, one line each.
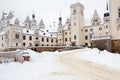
[107, 5]
[60, 13]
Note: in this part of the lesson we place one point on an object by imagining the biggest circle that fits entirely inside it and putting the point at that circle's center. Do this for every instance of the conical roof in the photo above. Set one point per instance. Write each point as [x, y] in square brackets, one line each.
[16, 21]
[10, 15]
[27, 19]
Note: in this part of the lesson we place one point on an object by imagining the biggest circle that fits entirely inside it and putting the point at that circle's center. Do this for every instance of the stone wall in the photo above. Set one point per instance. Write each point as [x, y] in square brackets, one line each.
[115, 46]
[102, 44]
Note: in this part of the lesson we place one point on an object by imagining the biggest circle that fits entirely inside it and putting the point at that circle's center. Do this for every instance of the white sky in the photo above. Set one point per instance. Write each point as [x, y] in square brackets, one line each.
[49, 10]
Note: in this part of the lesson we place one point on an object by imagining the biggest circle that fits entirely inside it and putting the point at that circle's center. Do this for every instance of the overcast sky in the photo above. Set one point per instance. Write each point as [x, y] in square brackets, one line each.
[49, 10]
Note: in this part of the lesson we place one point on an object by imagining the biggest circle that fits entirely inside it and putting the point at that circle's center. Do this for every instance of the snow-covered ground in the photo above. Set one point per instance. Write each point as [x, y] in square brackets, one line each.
[43, 65]
[106, 58]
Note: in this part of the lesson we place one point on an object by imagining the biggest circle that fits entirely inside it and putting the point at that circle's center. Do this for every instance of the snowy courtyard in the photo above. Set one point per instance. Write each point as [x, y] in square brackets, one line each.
[80, 64]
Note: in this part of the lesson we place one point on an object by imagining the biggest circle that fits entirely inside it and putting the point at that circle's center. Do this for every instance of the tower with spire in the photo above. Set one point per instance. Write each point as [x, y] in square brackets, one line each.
[27, 22]
[60, 31]
[33, 21]
[96, 20]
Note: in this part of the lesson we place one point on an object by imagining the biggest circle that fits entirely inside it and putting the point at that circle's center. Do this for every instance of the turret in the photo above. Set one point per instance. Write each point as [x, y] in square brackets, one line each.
[96, 19]
[27, 22]
[41, 24]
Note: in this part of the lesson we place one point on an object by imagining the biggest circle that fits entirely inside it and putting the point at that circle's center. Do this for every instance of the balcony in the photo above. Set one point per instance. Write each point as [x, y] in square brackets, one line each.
[100, 37]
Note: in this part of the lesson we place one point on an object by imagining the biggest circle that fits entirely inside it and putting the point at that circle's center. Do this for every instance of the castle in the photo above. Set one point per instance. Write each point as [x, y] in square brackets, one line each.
[101, 34]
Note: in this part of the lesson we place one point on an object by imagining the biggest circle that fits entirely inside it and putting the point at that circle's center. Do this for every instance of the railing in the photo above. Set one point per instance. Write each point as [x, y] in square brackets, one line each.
[98, 37]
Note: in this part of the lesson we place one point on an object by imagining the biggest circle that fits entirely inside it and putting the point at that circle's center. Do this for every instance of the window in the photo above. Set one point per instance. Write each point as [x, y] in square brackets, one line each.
[30, 44]
[24, 37]
[42, 39]
[17, 36]
[69, 32]
[43, 33]
[16, 44]
[30, 38]
[86, 30]
[36, 38]
[65, 39]
[82, 12]
[86, 37]
[70, 39]
[23, 44]
[91, 30]
[51, 40]
[74, 37]
[47, 40]
[2, 37]
[100, 28]
[42, 44]
[106, 26]
[119, 12]
[86, 44]
[27, 31]
[65, 33]
[74, 11]
[2, 45]
[74, 24]
[47, 45]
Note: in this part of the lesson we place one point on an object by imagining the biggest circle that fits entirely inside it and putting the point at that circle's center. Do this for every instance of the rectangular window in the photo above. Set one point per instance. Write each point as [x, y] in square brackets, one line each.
[24, 37]
[47, 40]
[100, 28]
[16, 44]
[42, 39]
[91, 30]
[30, 38]
[65, 39]
[86, 37]
[51, 40]
[30, 44]
[65, 33]
[42, 44]
[16, 36]
[2, 37]
[74, 37]
[23, 44]
[2, 45]
[86, 30]
[70, 39]
[119, 12]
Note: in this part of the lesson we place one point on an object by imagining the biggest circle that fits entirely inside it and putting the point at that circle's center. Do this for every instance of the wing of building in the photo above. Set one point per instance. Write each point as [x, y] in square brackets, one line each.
[100, 33]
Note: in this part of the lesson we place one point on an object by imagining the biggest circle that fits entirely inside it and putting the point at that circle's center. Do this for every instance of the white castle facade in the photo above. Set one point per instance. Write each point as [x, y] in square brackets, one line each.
[101, 34]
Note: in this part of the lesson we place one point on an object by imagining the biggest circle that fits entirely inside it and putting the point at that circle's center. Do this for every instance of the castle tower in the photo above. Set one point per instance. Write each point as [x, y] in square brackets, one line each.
[27, 22]
[96, 19]
[106, 18]
[77, 23]
[41, 24]
[33, 21]
[17, 21]
[60, 31]
[114, 6]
